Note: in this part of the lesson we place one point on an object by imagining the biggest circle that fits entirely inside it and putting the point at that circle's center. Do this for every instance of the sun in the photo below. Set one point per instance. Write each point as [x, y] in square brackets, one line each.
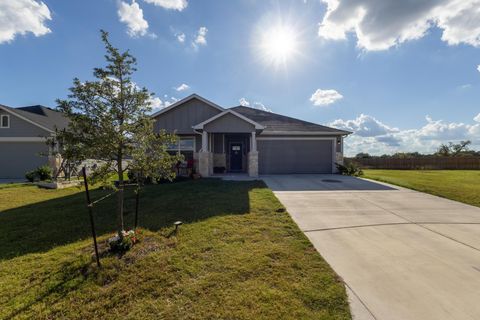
[279, 44]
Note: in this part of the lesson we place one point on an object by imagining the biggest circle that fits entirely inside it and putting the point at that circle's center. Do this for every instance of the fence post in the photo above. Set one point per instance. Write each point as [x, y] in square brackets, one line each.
[90, 212]
[137, 199]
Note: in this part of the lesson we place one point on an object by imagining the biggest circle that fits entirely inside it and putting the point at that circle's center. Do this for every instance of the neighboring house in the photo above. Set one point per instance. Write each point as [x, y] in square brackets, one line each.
[23, 133]
[248, 140]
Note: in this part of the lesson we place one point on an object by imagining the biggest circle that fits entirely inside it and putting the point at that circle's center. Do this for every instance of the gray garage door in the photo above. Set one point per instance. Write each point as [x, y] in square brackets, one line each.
[18, 157]
[294, 156]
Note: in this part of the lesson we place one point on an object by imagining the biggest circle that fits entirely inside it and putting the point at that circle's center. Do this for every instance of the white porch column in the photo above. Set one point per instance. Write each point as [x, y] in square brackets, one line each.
[205, 141]
[254, 142]
[204, 157]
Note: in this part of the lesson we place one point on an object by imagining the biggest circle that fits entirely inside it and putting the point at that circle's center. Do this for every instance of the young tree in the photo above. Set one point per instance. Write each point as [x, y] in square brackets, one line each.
[110, 122]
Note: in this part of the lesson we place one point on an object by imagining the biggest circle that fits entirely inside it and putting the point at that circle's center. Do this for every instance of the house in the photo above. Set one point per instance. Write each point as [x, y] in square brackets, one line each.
[23, 133]
[248, 140]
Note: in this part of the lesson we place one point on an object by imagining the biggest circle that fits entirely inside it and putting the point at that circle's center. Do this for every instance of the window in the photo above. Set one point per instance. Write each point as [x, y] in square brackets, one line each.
[186, 143]
[4, 121]
[183, 144]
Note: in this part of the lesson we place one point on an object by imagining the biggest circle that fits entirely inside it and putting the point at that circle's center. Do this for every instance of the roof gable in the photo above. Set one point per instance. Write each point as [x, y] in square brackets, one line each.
[40, 116]
[237, 115]
[184, 100]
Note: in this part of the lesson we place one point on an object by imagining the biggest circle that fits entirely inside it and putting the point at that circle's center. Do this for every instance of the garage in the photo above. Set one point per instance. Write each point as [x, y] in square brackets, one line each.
[290, 155]
[19, 157]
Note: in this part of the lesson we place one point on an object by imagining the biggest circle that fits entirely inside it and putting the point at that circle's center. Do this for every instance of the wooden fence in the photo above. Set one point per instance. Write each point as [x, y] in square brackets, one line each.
[424, 163]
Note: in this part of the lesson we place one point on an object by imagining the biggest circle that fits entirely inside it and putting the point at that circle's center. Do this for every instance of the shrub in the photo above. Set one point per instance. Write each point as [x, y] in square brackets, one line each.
[349, 169]
[39, 174]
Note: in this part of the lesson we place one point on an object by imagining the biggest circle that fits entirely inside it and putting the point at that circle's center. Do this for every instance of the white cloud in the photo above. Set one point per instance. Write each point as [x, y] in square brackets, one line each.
[21, 17]
[364, 126]
[201, 37]
[132, 16]
[478, 68]
[170, 4]
[157, 104]
[182, 87]
[372, 136]
[477, 118]
[256, 105]
[180, 37]
[244, 102]
[381, 24]
[325, 97]
[465, 86]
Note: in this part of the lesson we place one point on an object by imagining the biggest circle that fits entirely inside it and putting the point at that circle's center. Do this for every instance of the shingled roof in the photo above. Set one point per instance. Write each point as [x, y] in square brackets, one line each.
[41, 115]
[277, 123]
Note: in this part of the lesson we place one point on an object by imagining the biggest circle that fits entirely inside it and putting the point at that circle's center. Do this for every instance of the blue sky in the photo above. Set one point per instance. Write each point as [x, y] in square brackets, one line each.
[402, 76]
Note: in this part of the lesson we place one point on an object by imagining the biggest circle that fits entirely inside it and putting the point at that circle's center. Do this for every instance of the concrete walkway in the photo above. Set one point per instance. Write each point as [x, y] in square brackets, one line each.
[402, 254]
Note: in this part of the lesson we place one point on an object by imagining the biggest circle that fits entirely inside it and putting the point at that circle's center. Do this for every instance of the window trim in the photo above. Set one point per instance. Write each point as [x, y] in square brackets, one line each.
[1, 121]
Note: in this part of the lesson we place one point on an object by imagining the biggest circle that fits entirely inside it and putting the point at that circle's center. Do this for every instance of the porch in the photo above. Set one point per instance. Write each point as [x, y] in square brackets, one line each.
[226, 153]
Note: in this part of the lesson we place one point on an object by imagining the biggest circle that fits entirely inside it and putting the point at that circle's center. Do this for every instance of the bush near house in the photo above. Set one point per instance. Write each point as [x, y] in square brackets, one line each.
[350, 168]
[42, 173]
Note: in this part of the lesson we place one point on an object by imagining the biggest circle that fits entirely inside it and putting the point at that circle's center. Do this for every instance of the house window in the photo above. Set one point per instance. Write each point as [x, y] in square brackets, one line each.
[183, 144]
[4, 121]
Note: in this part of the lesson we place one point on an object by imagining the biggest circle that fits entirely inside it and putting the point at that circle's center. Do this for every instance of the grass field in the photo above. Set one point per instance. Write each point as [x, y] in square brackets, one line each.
[235, 257]
[459, 185]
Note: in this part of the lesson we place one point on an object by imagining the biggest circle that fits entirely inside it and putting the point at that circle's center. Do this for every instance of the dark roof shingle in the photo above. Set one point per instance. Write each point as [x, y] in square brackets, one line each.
[43, 116]
[275, 122]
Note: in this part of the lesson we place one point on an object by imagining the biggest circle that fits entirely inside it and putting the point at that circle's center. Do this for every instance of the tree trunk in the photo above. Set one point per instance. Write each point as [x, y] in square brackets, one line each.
[120, 197]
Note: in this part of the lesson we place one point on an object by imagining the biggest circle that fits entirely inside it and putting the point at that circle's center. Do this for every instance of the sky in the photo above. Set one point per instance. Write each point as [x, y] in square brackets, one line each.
[403, 76]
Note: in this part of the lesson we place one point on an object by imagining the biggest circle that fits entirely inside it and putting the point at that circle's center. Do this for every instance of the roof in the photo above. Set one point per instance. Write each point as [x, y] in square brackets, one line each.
[186, 99]
[229, 111]
[41, 116]
[278, 124]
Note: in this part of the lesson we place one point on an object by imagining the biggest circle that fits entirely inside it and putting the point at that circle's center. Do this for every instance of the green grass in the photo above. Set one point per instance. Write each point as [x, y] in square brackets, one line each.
[234, 258]
[459, 185]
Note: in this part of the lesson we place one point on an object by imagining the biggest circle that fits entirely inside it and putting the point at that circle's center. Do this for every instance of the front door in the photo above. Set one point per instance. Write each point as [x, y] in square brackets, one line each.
[236, 154]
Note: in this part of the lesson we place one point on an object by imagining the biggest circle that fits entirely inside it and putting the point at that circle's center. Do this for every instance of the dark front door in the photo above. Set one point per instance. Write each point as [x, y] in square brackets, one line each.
[236, 153]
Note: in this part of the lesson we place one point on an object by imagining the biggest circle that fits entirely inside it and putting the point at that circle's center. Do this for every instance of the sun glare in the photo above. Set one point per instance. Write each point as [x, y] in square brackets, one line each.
[279, 44]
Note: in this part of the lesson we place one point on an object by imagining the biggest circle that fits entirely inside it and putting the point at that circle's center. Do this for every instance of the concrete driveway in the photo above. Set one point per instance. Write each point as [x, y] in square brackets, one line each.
[402, 254]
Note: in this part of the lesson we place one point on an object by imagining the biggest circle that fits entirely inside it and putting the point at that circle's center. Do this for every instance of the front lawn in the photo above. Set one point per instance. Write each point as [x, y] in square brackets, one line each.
[459, 185]
[235, 257]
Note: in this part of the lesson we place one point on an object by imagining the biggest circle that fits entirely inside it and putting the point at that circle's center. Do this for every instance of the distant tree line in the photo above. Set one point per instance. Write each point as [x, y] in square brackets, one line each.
[451, 149]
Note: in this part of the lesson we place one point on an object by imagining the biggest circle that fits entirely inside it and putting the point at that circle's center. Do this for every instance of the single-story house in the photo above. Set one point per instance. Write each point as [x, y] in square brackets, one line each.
[247, 140]
[214, 139]
[23, 133]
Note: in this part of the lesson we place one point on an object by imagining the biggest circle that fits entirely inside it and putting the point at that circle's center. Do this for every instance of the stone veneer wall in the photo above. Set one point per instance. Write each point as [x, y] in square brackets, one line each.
[253, 163]
[204, 163]
[339, 157]
[210, 163]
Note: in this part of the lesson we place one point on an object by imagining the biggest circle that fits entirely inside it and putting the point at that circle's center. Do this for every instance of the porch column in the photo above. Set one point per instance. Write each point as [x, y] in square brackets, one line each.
[205, 141]
[253, 157]
[254, 141]
[204, 157]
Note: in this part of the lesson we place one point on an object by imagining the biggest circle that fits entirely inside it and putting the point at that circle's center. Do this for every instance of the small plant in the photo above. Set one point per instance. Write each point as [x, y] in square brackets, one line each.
[122, 244]
[42, 173]
[349, 169]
